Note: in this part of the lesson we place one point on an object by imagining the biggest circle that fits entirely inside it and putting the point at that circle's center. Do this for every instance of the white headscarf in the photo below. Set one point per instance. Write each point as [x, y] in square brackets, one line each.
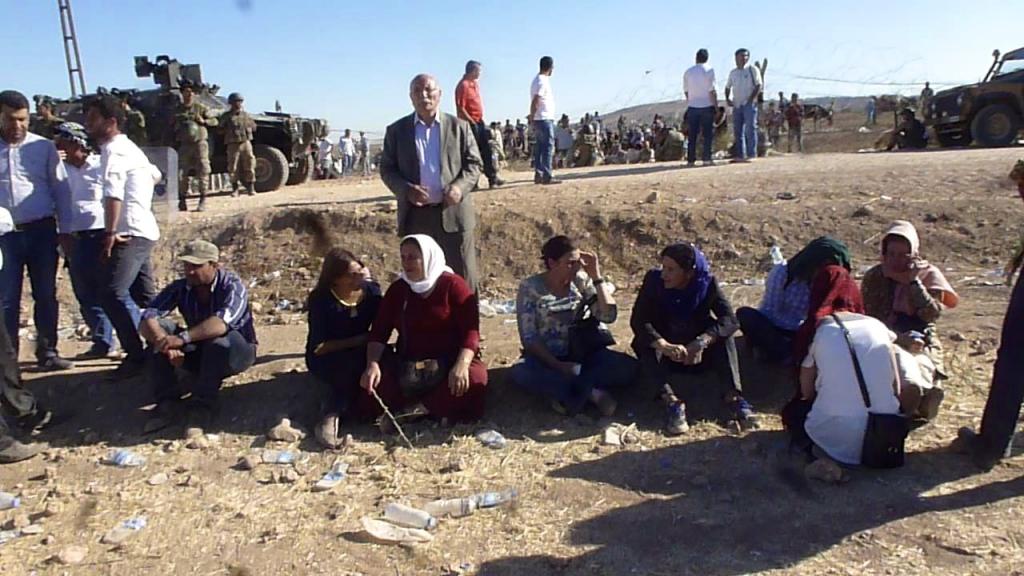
[433, 264]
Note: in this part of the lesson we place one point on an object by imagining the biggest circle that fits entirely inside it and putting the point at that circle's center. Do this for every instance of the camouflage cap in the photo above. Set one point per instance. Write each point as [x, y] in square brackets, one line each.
[73, 132]
[200, 252]
[236, 97]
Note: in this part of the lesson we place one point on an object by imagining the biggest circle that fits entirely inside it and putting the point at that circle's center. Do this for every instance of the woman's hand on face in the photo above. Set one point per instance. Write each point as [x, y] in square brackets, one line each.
[371, 377]
[458, 379]
[590, 264]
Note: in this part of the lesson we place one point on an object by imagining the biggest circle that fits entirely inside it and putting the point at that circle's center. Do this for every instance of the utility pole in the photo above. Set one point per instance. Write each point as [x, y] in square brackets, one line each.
[67, 26]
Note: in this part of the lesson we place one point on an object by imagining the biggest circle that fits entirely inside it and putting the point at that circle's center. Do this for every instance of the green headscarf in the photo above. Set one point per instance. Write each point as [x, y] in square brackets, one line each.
[820, 252]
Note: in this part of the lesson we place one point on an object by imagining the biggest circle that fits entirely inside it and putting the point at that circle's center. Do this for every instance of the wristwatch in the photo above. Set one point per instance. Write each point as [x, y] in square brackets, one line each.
[185, 337]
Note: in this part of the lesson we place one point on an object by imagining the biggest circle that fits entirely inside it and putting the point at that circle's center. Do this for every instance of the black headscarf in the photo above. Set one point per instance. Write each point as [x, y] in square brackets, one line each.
[821, 251]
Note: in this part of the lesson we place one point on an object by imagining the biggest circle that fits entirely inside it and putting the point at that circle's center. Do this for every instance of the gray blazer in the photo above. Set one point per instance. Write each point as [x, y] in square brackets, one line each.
[460, 166]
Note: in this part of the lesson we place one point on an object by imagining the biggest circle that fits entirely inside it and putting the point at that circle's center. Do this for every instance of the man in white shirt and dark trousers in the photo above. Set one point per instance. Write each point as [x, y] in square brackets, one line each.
[542, 117]
[28, 187]
[744, 86]
[80, 228]
[130, 228]
[348, 153]
[701, 104]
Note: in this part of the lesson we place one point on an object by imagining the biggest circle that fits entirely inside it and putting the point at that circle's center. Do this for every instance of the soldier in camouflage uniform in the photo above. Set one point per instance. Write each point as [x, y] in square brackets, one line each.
[238, 129]
[134, 122]
[44, 121]
[191, 118]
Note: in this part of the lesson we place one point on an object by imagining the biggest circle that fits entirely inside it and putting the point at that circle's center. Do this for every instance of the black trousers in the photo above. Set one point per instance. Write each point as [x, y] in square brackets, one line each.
[338, 373]
[720, 357]
[16, 400]
[211, 360]
[483, 142]
[762, 334]
[999, 421]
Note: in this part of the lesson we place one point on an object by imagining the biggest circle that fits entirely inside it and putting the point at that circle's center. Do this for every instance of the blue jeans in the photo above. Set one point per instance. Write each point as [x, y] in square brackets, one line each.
[127, 285]
[744, 124]
[604, 369]
[700, 121]
[348, 162]
[544, 151]
[84, 265]
[35, 248]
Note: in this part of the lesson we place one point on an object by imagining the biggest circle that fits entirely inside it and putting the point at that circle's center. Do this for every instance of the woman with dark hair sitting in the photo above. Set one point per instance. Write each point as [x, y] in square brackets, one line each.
[682, 323]
[341, 308]
[547, 307]
[436, 369]
[769, 328]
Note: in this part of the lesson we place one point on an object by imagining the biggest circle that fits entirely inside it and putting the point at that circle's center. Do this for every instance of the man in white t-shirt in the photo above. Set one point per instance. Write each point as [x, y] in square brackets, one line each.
[542, 117]
[347, 145]
[741, 92]
[701, 103]
[130, 228]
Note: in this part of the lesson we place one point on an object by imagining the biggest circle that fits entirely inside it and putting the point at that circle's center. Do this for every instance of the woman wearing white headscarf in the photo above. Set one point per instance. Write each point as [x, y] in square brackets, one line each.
[909, 295]
[435, 369]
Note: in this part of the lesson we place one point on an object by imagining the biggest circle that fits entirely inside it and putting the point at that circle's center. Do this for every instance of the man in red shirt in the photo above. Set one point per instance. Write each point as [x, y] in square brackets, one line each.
[470, 107]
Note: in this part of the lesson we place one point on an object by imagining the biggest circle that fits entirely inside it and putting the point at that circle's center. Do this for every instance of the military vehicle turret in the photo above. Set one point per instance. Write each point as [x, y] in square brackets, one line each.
[282, 142]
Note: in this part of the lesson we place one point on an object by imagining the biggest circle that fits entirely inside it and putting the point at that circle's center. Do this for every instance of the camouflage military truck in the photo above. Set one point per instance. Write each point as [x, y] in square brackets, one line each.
[990, 112]
[282, 142]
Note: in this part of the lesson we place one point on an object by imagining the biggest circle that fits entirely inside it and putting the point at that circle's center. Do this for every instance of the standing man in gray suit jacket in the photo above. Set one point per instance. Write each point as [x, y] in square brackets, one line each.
[431, 164]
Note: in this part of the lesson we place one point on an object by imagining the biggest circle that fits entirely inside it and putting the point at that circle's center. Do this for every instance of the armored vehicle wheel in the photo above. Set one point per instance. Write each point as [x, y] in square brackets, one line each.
[271, 168]
[950, 139]
[996, 125]
[302, 172]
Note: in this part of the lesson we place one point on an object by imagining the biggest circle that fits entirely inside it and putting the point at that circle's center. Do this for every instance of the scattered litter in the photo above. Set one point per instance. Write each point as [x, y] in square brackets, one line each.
[8, 501]
[278, 457]
[387, 533]
[8, 535]
[123, 531]
[753, 282]
[786, 196]
[491, 438]
[283, 304]
[490, 309]
[863, 130]
[618, 435]
[332, 478]
[493, 499]
[451, 507]
[885, 198]
[776, 255]
[409, 517]
[124, 459]
[285, 432]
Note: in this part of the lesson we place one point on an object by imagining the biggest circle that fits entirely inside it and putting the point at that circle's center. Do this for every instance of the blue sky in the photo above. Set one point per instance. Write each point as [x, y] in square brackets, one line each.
[351, 61]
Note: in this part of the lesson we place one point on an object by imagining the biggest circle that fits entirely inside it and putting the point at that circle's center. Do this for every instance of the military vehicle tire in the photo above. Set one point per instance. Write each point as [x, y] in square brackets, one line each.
[302, 172]
[950, 139]
[996, 125]
[271, 168]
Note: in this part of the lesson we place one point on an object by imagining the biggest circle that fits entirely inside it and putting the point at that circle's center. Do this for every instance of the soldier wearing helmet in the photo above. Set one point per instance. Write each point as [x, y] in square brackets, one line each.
[191, 118]
[238, 129]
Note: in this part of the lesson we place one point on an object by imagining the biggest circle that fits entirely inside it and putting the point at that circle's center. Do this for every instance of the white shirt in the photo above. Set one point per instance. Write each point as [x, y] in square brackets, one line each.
[838, 417]
[129, 177]
[541, 86]
[324, 150]
[698, 84]
[348, 146]
[28, 178]
[743, 82]
[80, 198]
[428, 151]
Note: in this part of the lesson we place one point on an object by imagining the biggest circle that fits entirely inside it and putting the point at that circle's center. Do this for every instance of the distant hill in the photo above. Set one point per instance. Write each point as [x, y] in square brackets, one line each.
[673, 110]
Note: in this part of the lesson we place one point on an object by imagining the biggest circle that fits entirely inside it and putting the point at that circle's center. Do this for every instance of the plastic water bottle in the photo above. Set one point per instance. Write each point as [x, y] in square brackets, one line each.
[491, 439]
[492, 499]
[124, 459]
[776, 254]
[278, 457]
[453, 507]
[9, 501]
[408, 516]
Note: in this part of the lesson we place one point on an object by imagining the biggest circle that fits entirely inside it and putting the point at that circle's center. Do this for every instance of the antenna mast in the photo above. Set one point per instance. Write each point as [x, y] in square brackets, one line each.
[67, 26]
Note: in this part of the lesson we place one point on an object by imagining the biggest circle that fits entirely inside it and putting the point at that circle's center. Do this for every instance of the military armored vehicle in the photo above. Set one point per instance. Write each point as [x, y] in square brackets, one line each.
[990, 112]
[282, 142]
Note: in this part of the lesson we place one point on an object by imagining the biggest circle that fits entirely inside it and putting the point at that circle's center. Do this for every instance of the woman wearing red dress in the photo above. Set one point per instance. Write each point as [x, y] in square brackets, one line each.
[438, 324]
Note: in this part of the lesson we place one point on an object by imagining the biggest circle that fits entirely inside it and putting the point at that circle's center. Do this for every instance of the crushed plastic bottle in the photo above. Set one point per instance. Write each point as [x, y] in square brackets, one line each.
[492, 499]
[491, 438]
[124, 530]
[124, 459]
[408, 516]
[452, 507]
[9, 501]
[278, 457]
[776, 255]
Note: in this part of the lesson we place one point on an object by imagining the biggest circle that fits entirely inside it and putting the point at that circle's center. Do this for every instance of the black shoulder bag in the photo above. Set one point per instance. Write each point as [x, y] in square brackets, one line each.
[886, 434]
[417, 377]
[586, 334]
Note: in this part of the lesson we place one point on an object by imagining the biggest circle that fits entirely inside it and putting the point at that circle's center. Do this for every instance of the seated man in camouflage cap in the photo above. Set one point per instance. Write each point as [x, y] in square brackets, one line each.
[217, 341]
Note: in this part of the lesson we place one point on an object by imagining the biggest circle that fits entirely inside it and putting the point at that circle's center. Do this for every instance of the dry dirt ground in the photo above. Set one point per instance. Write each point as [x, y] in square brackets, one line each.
[712, 502]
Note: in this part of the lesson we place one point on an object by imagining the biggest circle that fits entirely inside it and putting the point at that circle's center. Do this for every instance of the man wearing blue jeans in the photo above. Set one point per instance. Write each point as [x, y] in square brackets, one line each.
[741, 92]
[542, 117]
[28, 189]
[701, 103]
[130, 229]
